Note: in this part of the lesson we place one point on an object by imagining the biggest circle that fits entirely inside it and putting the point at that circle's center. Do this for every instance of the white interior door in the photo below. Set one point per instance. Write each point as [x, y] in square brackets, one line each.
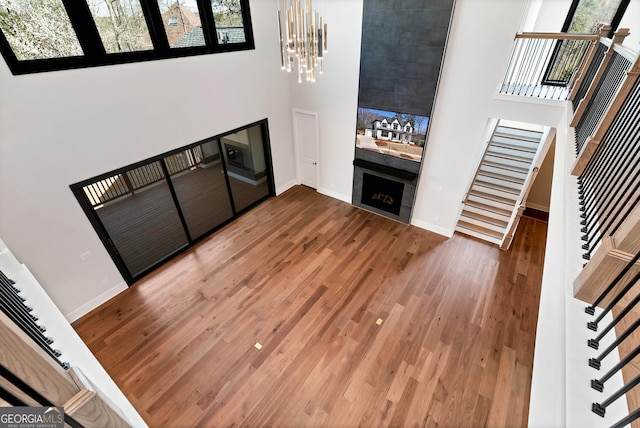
[305, 128]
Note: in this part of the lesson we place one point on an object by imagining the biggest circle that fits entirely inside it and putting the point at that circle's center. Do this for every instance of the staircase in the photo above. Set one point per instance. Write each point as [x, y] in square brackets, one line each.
[497, 192]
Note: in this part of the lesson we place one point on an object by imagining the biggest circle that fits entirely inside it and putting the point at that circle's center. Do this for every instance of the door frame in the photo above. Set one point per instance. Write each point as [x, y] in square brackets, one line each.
[297, 144]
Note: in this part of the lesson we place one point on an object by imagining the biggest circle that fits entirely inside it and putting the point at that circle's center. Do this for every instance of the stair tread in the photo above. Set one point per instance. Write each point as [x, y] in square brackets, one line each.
[526, 133]
[513, 145]
[501, 176]
[513, 157]
[478, 229]
[505, 166]
[483, 218]
[497, 198]
[496, 187]
[487, 207]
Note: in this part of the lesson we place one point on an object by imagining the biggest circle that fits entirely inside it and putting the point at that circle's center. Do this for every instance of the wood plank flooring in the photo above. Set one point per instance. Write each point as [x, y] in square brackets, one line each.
[362, 321]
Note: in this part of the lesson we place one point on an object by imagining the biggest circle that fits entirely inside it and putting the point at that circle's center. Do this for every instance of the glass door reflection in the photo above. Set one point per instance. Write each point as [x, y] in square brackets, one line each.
[244, 157]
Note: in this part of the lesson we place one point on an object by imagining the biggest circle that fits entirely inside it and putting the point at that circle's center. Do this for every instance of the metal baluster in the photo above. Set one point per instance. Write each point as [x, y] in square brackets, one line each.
[600, 408]
[627, 420]
[598, 384]
[595, 362]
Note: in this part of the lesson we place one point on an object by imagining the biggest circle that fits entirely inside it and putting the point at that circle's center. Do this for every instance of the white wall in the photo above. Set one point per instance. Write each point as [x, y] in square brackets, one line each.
[476, 57]
[540, 194]
[631, 20]
[59, 128]
[551, 15]
[334, 96]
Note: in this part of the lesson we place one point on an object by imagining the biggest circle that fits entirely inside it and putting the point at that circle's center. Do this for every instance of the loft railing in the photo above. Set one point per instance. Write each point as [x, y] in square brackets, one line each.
[126, 183]
[606, 119]
[622, 298]
[602, 88]
[538, 56]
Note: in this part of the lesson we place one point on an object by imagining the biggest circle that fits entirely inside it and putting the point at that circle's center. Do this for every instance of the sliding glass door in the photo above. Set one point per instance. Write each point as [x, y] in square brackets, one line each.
[148, 212]
[201, 189]
[141, 219]
[246, 166]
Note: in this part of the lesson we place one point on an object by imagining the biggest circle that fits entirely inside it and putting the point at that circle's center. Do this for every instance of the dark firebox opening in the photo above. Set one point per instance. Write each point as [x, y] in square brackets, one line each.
[382, 193]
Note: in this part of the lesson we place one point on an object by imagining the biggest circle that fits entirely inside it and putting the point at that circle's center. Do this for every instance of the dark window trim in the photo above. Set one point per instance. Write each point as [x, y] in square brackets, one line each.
[77, 190]
[94, 52]
[615, 21]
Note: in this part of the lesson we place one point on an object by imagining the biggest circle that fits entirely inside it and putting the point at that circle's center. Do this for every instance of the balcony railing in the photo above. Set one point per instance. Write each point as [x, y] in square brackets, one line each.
[606, 101]
[543, 65]
[128, 182]
[600, 77]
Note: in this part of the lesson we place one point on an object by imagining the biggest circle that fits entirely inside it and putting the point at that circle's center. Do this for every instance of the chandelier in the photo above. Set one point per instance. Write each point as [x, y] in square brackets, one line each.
[303, 38]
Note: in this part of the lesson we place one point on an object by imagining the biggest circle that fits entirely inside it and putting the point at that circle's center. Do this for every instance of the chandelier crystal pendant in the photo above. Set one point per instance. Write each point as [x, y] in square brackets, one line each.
[303, 38]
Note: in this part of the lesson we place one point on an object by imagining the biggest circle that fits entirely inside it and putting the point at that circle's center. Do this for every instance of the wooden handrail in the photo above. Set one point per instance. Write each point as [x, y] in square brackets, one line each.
[603, 126]
[558, 36]
[32, 366]
[618, 38]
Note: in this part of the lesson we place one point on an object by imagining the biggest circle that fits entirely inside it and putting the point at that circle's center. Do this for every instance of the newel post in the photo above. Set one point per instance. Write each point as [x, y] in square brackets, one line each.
[601, 31]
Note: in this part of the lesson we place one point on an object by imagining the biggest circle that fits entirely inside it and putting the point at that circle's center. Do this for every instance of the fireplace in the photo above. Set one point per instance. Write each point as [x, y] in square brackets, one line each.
[383, 188]
[381, 193]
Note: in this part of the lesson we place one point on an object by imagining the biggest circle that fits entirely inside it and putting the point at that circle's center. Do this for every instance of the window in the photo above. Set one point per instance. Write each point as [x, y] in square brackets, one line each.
[228, 17]
[584, 15]
[407, 128]
[395, 126]
[385, 133]
[31, 26]
[47, 35]
[384, 124]
[121, 25]
[187, 30]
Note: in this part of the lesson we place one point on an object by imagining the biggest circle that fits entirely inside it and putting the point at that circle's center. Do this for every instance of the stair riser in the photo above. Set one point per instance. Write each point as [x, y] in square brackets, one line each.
[471, 210]
[509, 174]
[503, 185]
[492, 191]
[472, 230]
[527, 146]
[478, 235]
[518, 154]
[520, 133]
[483, 224]
[487, 201]
[522, 164]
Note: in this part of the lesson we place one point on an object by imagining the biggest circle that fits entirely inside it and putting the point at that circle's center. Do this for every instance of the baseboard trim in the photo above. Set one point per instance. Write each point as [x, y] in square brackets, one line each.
[333, 194]
[95, 302]
[433, 228]
[537, 207]
[286, 186]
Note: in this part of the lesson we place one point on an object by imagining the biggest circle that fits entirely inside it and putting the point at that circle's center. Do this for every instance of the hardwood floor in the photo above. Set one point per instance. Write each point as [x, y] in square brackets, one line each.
[362, 321]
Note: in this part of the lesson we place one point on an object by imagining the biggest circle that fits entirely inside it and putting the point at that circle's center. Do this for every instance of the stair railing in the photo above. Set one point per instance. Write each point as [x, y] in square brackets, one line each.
[621, 297]
[545, 142]
[536, 56]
